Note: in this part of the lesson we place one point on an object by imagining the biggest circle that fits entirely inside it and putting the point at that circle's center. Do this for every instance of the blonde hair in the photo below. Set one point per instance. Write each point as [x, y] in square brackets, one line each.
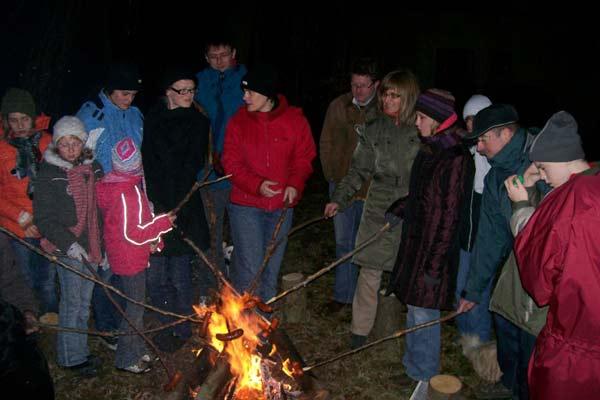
[406, 83]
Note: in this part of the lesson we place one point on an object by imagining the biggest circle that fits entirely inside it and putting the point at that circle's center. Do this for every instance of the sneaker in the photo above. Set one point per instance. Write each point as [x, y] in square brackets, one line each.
[402, 379]
[109, 341]
[334, 307]
[492, 391]
[139, 368]
[87, 369]
[357, 341]
[148, 358]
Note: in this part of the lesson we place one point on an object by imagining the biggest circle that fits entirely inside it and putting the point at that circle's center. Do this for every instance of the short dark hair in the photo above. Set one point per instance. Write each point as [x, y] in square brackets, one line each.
[218, 40]
[366, 66]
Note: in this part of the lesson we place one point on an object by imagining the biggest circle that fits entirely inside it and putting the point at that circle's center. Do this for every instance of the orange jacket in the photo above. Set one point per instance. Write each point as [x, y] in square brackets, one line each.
[13, 191]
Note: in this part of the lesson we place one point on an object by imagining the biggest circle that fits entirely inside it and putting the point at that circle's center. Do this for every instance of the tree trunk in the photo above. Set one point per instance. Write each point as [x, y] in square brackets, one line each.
[444, 387]
[294, 307]
[389, 317]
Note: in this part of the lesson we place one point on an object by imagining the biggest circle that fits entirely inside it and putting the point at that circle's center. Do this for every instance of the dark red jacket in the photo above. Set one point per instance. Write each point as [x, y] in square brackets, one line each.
[558, 253]
[427, 262]
[276, 146]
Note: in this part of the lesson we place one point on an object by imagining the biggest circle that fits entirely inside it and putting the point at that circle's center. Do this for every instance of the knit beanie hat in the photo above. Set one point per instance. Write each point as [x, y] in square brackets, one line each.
[261, 79]
[123, 77]
[558, 141]
[69, 125]
[176, 73]
[126, 158]
[436, 103]
[476, 103]
[18, 100]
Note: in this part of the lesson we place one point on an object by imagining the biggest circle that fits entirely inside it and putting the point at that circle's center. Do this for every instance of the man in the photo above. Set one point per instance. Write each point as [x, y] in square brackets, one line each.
[338, 141]
[558, 256]
[220, 95]
[20, 155]
[109, 118]
[505, 145]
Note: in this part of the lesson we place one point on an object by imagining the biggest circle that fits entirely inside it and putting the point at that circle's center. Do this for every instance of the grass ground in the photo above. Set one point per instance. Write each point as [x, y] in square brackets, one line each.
[363, 376]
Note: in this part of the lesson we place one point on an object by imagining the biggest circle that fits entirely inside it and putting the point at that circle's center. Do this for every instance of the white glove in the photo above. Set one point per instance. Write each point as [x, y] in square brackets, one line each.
[104, 263]
[24, 219]
[93, 137]
[77, 252]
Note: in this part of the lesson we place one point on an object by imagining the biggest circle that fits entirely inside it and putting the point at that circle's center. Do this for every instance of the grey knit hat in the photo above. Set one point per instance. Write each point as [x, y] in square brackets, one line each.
[18, 100]
[69, 126]
[558, 141]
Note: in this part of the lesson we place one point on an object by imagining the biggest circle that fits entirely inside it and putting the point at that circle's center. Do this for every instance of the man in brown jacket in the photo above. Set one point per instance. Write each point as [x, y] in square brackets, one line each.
[338, 140]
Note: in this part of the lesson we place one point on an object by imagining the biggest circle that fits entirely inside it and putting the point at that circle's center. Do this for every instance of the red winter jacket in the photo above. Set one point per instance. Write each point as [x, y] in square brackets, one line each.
[129, 224]
[276, 146]
[558, 253]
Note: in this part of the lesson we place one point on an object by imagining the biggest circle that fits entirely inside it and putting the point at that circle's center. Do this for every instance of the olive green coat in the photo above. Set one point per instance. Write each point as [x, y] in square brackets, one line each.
[385, 152]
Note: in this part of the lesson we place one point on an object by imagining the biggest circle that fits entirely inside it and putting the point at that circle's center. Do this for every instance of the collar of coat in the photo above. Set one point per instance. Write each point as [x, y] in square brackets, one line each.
[51, 157]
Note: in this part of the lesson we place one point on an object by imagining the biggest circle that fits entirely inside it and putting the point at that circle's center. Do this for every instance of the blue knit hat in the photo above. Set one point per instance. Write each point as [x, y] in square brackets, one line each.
[437, 104]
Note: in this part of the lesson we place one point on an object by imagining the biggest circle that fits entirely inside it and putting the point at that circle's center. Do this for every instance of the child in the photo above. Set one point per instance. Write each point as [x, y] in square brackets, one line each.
[131, 233]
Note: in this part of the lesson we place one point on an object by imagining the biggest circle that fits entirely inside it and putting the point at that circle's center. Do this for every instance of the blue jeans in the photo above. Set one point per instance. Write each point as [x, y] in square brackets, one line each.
[74, 312]
[251, 230]
[106, 315]
[422, 355]
[39, 273]
[132, 347]
[478, 321]
[346, 225]
[515, 347]
[169, 285]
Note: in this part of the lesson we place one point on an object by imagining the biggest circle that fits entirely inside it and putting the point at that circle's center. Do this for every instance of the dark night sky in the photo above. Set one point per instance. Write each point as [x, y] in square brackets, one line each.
[539, 63]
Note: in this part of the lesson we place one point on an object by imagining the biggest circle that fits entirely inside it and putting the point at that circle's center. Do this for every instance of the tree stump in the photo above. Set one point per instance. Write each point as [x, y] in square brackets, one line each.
[444, 387]
[294, 307]
[389, 317]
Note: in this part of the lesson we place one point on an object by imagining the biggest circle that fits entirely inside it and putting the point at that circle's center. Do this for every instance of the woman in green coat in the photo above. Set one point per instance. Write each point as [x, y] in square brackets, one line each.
[385, 152]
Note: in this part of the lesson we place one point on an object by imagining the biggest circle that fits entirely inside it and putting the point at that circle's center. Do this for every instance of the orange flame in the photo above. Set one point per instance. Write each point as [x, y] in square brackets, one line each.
[243, 360]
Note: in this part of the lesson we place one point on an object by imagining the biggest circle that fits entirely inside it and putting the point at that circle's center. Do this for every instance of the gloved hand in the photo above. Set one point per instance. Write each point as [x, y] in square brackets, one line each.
[392, 219]
[77, 252]
[104, 263]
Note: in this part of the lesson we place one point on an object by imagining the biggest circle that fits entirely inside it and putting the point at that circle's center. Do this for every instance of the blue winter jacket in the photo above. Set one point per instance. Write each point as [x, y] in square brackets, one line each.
[494, 239]
[114, 123]
[216, 87]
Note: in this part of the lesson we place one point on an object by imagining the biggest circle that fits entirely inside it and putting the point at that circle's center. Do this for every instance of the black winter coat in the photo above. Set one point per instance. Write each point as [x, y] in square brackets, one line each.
[173, 152]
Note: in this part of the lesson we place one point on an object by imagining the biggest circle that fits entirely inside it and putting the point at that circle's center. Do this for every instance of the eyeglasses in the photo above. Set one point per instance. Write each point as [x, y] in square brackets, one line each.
[215, 57]
[391, 95]
[361, 86]
[182, 92]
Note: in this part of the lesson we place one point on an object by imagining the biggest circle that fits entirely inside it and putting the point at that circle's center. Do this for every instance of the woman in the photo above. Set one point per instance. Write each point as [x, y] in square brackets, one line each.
[424, 276]
[269, 150]
[173, 151]
[66, 214]
[385, 152]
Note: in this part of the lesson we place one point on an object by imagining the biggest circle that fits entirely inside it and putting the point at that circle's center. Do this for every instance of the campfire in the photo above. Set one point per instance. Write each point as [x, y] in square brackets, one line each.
[248, 358]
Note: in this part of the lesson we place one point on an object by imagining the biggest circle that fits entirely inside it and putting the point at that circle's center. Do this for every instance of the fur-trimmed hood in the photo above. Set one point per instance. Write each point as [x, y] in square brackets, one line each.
[51, 157]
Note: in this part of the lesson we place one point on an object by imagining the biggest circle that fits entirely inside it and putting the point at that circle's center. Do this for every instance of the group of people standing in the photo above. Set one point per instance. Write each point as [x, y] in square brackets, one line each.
[100, 193]
[394, 154]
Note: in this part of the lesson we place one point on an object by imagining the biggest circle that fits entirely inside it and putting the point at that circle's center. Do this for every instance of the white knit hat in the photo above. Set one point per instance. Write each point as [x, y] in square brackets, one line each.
[476, 103]
[69, 126]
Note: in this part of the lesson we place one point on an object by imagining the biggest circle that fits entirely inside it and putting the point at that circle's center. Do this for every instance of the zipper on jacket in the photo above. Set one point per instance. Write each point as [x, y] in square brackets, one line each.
[470, 220]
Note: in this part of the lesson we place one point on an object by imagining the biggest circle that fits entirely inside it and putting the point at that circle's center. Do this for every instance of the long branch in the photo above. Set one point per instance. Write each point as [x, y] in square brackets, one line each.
[197, 186]
[54, 259]
[397, 334]
[317, 274]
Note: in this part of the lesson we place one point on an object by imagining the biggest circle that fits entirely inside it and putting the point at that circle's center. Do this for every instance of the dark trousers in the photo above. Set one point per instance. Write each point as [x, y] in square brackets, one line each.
[515, 347]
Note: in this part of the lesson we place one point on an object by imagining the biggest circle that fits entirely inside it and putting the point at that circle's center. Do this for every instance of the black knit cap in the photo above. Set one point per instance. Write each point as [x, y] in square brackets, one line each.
[558, 141]
[491, 117]
[261, 79]
[176, 73]
[123, 77]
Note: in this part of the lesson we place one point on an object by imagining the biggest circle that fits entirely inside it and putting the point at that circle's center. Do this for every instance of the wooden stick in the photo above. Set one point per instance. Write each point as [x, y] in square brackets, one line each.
[317, 274]
[270, 249]
[392, 336]
[54, 259]
[197, 186]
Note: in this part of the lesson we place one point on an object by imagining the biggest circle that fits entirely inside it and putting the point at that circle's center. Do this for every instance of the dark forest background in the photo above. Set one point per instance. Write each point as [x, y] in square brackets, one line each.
[60, 49]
